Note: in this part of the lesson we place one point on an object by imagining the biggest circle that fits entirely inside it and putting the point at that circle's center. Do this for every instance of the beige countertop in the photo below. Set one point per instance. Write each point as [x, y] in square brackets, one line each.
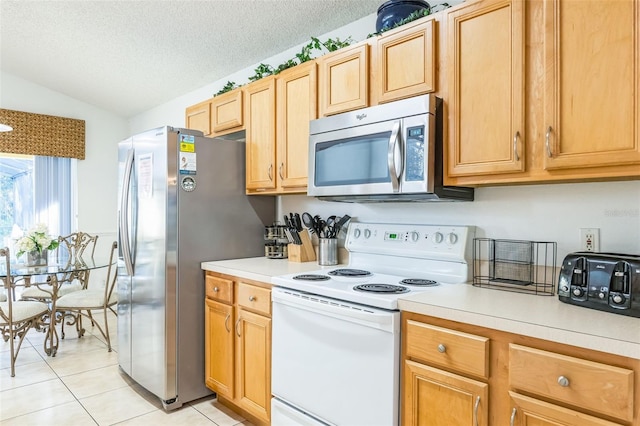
[543, 317]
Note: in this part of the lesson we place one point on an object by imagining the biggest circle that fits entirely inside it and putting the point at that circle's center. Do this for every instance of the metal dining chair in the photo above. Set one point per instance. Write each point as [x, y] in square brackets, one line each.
[72, 247]
[82, 303]
[17, 317]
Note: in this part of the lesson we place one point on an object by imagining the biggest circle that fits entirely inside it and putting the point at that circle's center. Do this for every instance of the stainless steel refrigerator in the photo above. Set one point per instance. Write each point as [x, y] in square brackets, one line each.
[181, 201]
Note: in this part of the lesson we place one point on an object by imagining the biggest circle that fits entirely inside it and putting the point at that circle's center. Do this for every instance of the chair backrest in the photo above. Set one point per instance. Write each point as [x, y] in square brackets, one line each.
[112, 273]
[7, 285]
[76, 244]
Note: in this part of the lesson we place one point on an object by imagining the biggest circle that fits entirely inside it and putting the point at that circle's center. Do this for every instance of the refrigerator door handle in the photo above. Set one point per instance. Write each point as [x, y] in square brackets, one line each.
[124, 214]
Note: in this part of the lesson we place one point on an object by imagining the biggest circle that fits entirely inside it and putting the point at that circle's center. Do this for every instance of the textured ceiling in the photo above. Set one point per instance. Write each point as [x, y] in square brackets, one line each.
[129, 56]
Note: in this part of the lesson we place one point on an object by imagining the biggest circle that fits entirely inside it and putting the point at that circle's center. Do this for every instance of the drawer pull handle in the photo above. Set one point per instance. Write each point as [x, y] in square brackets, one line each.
[475, 409]
[513, 416]
[563, 381]
[546, 142]
[442, 348]
[216, 289]
[226, 323]
[280, 170]
[515, 146]
[237, 324]
[252, 298]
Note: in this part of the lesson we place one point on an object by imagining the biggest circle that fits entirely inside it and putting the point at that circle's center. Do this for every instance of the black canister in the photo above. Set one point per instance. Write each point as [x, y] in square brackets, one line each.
[394, 11]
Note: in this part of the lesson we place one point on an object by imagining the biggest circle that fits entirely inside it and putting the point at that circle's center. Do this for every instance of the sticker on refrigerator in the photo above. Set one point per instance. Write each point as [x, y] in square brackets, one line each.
[187, 163]
[187, 143]
[145, 175]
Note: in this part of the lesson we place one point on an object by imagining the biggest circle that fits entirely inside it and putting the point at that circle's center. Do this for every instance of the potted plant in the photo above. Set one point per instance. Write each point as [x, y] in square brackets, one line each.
[36, 244]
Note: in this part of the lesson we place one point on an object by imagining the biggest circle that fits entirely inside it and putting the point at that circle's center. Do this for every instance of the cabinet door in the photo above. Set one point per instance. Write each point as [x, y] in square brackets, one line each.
[486, 88]
[344, 79]
[435, 397]
[527, 411]
[260, 115]
[592, 83]
[406, 62]
[197, 117]
[253, 352]
[297, 105]
[218, 340]
[226, 112]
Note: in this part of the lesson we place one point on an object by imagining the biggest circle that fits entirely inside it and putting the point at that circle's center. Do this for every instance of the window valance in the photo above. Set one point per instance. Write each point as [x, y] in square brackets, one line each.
[38, 134]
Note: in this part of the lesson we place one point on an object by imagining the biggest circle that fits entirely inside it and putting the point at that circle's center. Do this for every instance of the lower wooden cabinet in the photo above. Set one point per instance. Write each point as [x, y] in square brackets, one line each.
[238, 344]
[526, 382]
[436, 397]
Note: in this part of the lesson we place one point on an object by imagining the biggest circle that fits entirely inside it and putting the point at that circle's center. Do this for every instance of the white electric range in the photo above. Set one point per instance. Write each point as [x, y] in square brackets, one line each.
[336, 331]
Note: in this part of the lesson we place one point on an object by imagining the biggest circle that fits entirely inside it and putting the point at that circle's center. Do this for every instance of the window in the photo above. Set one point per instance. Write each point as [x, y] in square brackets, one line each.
[33, 190]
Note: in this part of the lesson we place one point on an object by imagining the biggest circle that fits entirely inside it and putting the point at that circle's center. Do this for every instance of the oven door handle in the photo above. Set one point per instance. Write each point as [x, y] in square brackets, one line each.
[382, 320]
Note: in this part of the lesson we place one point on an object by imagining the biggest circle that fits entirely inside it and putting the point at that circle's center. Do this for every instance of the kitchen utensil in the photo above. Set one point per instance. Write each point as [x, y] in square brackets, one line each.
[309, 222]
[341, 222]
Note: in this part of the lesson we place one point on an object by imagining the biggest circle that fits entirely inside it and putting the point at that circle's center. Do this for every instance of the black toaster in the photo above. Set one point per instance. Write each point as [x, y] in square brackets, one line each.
[604, 281]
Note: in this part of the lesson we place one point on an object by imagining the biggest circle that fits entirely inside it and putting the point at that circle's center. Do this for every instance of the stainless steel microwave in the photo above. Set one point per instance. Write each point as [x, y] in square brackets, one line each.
[388, 152]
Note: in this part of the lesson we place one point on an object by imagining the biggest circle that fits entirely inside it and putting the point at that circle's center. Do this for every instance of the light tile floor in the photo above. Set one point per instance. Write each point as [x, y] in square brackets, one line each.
[83, 385]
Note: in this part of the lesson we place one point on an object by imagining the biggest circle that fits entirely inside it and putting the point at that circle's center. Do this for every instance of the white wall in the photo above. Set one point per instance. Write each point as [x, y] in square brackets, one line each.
[97, 174]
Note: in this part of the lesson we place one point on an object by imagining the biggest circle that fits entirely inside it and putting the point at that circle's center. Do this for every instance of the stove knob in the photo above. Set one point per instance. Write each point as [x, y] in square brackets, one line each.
[415, 236]
[618, 299]
[367, 233]
[437, 237]
[356, 233]
[452, 238]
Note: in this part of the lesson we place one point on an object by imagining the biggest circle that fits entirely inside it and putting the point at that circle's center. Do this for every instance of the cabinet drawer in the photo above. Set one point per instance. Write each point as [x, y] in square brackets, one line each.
[219, 289]
[463, 352]
[590, 385]
[255, 298]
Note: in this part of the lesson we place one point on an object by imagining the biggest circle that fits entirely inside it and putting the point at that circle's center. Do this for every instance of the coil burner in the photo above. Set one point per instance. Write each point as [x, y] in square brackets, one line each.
[311, 277]
[381, 288]
[419, 282]
[346, 272]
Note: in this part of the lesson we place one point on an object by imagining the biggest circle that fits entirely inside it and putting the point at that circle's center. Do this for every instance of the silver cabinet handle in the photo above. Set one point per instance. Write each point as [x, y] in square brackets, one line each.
[513, 416]
[563, 381]
[215, 289]
[515, 146]
[442, 348]
[252, 298]
[280, 170]
[237, 324]
[475, 409]
[226, 323]
[546, 142]
[270, 170]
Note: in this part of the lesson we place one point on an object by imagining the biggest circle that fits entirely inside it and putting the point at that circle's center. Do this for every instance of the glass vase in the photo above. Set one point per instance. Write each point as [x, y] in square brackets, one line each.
[37, 258]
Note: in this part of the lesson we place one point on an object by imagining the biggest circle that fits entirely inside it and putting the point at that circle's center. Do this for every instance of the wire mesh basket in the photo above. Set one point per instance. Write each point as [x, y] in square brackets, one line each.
[515, 265]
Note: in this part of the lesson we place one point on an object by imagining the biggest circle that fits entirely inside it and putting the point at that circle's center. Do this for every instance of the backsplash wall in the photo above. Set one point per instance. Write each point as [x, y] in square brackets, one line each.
[551, 212]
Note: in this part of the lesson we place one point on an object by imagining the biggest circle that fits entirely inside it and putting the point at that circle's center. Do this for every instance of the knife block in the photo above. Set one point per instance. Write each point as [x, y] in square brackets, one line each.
[302, 252]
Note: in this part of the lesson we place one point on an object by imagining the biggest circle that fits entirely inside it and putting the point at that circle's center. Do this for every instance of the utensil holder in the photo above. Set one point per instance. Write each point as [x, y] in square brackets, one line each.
[302, 252]
[327, 251]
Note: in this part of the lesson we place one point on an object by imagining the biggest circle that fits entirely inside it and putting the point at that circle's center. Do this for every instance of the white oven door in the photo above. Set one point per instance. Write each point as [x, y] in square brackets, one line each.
[334, 360]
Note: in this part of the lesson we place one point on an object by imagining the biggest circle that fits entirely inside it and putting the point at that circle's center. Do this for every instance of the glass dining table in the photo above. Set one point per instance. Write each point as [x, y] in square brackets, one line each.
[50, 278]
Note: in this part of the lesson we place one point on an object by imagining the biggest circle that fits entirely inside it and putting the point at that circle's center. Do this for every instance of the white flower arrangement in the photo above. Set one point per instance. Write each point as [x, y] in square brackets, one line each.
[37, 239]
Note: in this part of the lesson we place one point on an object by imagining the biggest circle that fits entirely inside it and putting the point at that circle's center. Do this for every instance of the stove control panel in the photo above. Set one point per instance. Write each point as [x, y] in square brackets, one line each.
[446, 242]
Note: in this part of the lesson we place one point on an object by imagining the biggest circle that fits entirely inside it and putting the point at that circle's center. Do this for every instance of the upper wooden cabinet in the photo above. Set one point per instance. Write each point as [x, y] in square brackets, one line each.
[227, 112]
[591, 83]
[296, 106]
[260, 115]
[405, 62]
[486, 88]
[343, 79]
[197, 117]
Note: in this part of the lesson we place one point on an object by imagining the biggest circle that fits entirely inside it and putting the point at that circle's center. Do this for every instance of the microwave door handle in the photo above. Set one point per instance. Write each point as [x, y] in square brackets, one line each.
[391, 157]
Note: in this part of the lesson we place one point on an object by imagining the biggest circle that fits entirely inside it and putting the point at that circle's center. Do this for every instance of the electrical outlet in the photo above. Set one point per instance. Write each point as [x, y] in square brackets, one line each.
[590, 239]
